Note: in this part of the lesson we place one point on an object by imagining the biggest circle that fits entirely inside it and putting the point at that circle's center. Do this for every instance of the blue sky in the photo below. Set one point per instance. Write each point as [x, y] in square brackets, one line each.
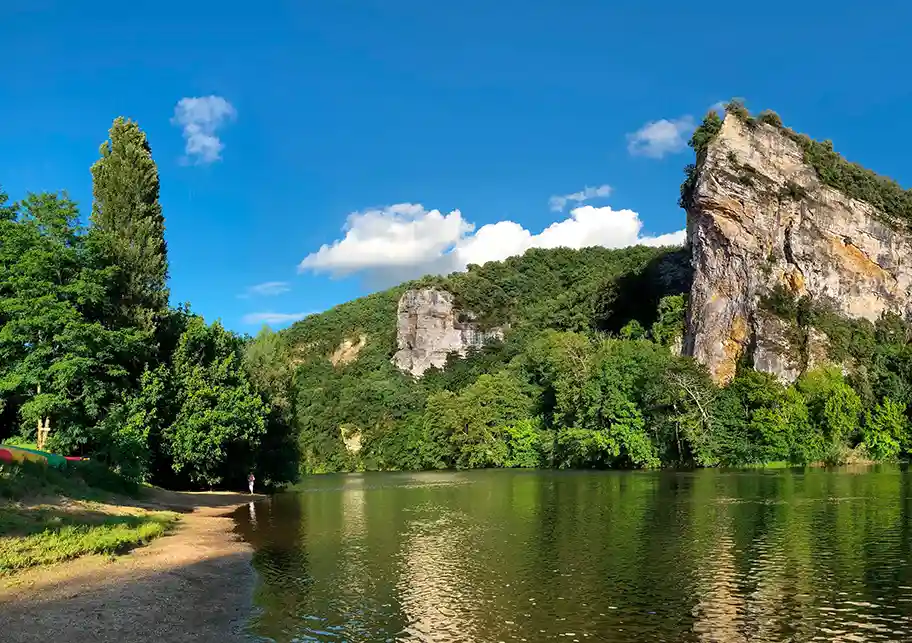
[437, 132]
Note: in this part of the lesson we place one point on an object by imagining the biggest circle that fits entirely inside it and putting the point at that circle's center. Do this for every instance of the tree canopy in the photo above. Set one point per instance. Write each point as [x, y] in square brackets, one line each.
[89, 346]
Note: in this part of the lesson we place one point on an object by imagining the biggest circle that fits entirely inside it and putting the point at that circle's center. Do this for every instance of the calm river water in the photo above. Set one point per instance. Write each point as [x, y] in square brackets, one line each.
[579, 556]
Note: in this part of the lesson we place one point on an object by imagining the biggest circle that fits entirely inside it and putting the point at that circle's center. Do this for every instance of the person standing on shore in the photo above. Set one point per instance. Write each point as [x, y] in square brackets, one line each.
[250, 481]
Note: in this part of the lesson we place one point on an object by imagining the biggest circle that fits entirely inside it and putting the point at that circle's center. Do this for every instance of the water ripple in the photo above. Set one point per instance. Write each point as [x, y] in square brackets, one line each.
[568, 557]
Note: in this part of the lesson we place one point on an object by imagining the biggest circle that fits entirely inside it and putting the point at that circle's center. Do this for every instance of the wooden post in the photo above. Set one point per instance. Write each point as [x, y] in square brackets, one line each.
[44, 429]
[43, 433]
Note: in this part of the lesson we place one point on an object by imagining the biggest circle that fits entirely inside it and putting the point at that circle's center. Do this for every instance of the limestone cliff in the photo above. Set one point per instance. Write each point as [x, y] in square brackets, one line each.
[759, 218]
[429, 327]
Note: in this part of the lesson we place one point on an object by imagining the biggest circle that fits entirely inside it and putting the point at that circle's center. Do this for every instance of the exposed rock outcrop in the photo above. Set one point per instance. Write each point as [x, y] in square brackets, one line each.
[351, 438]
[429, 328]
[760, 217]
[347, 351]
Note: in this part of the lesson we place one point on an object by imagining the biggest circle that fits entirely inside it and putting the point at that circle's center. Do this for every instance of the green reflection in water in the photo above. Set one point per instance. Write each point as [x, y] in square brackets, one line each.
[755, 556]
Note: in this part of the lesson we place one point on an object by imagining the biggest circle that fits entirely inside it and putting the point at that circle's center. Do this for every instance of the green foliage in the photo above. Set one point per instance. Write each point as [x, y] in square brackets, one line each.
[760, 420]
[699, 142]
[886, 429]
[473, 422]
[528, 446]
[633, 330]
[834, 411]
[769, 117]
[128, 222]
[670, 323]
[89, 348]
[792, 190]
[736, 107]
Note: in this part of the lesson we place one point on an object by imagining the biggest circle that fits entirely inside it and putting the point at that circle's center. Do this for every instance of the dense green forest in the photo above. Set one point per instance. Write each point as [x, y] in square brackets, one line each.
[586, 377]
[588, 373]
[90, 348]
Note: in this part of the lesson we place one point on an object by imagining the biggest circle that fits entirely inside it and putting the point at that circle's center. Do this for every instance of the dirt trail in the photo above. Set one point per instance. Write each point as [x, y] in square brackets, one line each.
[192, 585]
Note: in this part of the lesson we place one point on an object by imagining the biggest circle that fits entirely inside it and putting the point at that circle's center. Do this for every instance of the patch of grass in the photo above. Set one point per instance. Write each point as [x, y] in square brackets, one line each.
[31, 537]
[79, 480]
[19, 441]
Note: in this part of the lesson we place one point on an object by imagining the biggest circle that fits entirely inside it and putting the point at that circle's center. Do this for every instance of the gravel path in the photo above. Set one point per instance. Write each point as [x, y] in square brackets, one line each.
[193, 585]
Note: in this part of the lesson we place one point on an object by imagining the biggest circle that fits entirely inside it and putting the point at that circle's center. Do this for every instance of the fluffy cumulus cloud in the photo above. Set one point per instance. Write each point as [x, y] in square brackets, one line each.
[559, 202]
[657, 139]
[404, 241]
[273, 319]
[200, 119]
[394, 239]
[266, 289]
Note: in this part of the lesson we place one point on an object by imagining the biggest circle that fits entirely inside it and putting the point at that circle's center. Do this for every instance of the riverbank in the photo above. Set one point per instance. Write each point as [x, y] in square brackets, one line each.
[193, 584]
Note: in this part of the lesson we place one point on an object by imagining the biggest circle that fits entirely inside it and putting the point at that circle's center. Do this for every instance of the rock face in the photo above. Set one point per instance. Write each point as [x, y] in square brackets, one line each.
[429, 328]
[760, 217]
[348, 350]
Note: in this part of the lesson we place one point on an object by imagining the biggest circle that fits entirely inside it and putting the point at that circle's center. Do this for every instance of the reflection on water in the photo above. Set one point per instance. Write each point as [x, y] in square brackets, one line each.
[707, 556]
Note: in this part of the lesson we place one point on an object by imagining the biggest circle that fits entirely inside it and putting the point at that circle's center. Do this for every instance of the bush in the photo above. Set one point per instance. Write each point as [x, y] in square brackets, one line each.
[769, 117]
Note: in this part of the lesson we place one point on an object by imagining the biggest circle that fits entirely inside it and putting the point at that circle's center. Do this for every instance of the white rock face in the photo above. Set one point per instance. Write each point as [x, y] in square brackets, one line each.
[428, 329]
[749, 229]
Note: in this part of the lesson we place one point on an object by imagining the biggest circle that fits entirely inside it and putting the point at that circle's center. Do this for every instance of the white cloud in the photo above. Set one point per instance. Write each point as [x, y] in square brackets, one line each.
[272, 318]
[658, 138]
[405, 241]
[200, 118]
[558, 203]
[397, 236]
[266, 289]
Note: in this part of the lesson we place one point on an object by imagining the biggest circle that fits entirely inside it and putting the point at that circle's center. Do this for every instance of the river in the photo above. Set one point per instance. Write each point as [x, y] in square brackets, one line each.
[751, 556]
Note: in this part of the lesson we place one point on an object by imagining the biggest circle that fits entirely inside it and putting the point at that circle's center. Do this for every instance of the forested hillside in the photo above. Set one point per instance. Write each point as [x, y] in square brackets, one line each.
[586, 377]
[90, 349]
[588, 374]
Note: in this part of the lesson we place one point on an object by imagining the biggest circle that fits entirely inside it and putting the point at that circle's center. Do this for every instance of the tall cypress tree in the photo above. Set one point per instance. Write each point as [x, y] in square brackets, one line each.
[127, 218]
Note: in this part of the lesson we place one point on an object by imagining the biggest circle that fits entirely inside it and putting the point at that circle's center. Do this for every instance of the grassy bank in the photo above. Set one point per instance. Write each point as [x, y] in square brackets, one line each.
[79, 480]
[49, 515]
[31, 536]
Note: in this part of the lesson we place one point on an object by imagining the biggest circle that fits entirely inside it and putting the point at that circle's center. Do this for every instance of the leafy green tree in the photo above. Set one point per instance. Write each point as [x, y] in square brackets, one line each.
[53, 292]
[633, 330]
[886, 429]
[834, 410]
[221, 420]
[473, 422]
[128, 222]
[669, 327]
[268, 363]
[685, 411]
[131, 432]
[527, 444]
[758, 418]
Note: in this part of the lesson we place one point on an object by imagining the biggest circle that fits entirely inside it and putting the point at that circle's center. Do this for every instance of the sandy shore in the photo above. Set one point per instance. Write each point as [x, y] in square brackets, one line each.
[192, 585]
